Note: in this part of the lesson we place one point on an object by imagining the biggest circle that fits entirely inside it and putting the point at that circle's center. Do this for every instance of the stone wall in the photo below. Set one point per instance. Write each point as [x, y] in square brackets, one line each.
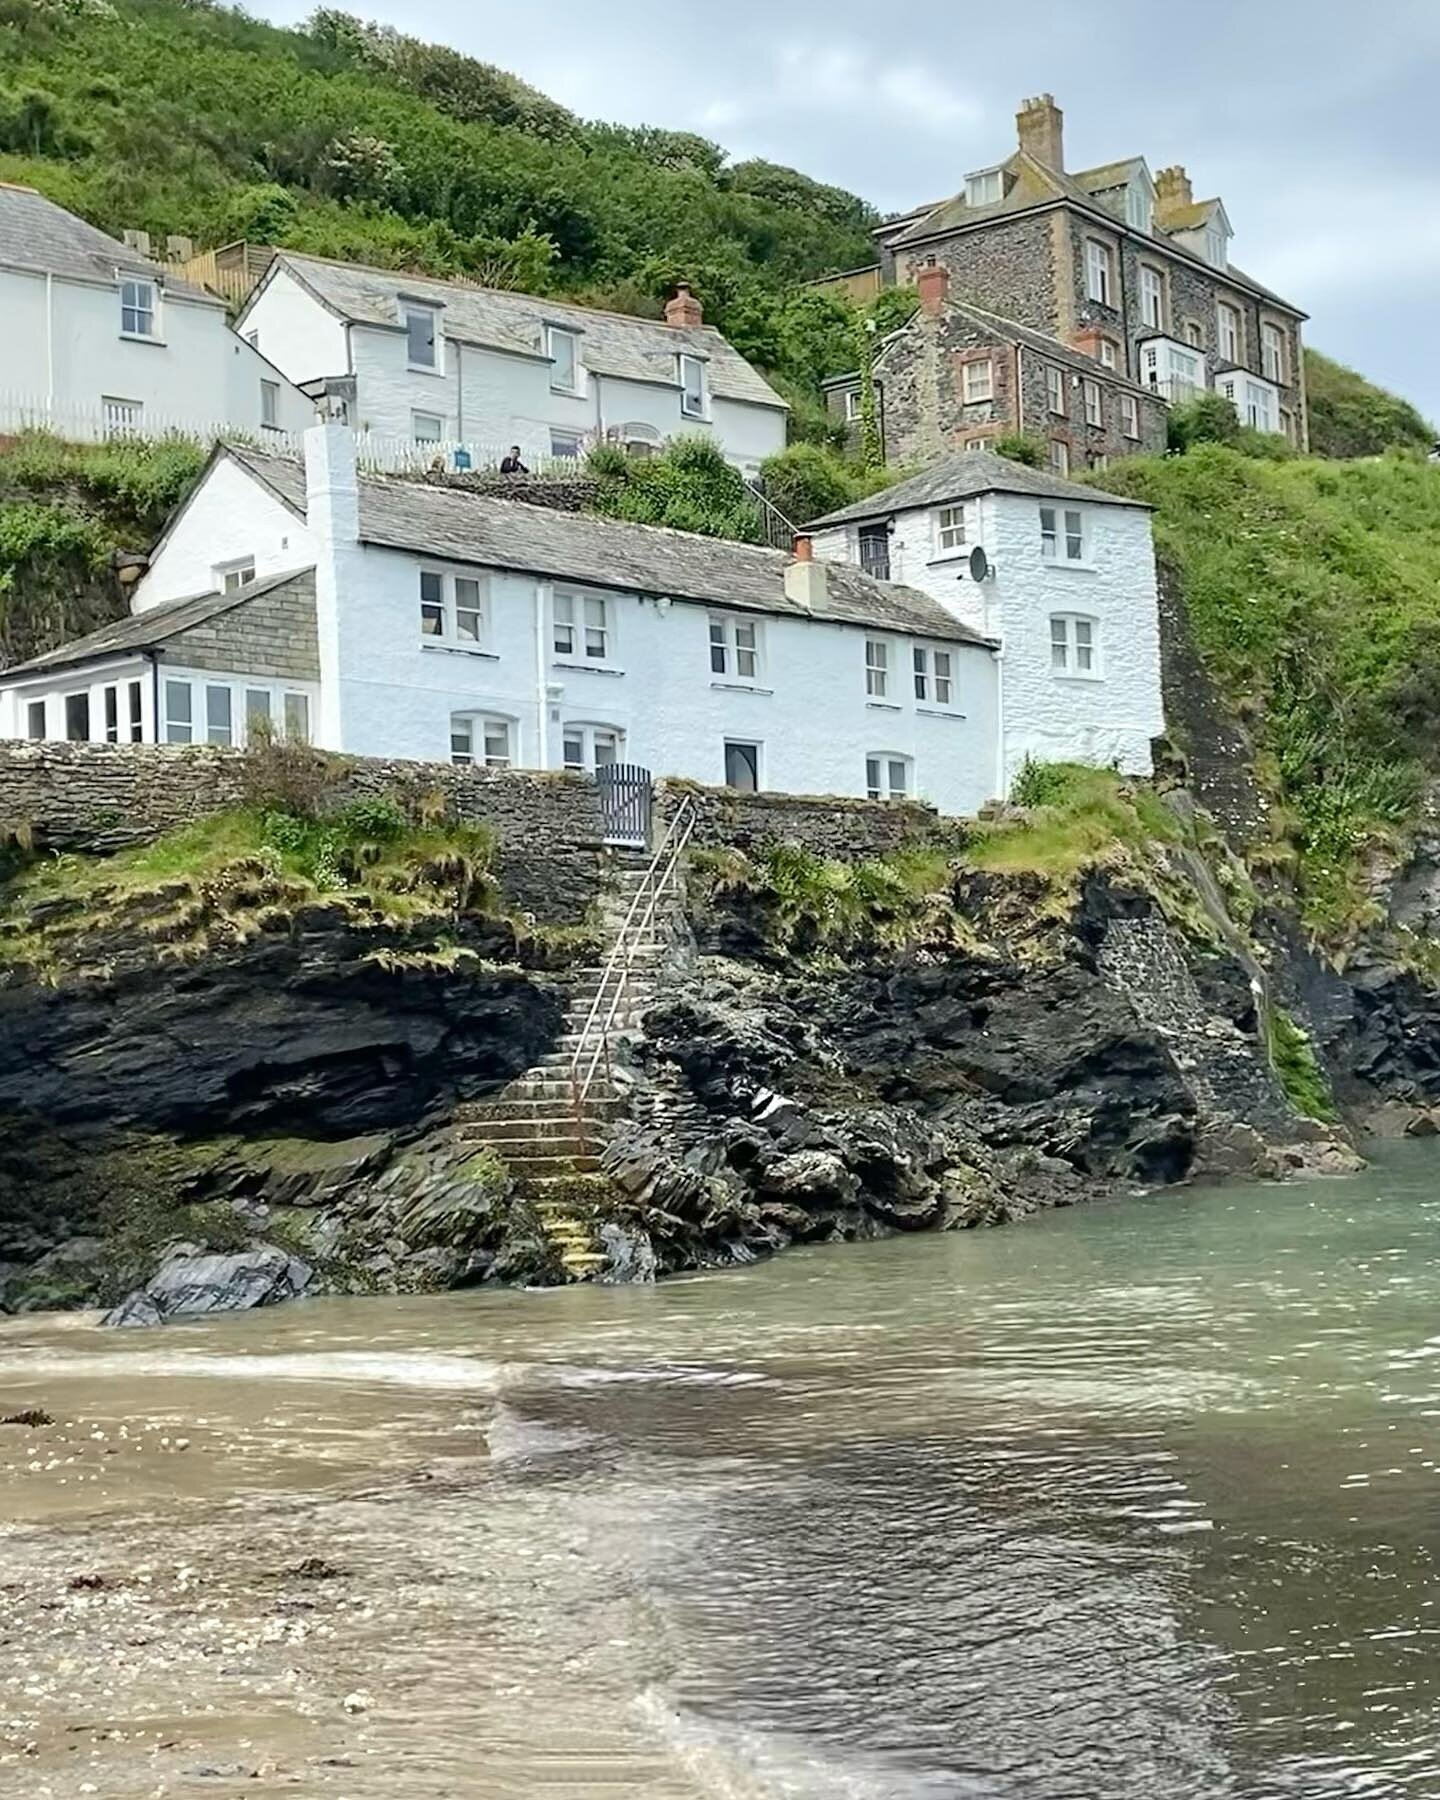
[105, 797]
[828, 825]
[1008, 267]
[273, 634]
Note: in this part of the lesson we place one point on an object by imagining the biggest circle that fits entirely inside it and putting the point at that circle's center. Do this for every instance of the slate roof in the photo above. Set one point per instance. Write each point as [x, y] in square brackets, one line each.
[1110, 175]
[35, 233]
[498, 319]
[963, 475]
[151, 629]
[439, 519]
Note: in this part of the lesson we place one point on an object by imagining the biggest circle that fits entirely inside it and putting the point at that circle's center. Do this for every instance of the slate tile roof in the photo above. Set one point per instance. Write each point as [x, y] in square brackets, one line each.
[153, 628]
[497, 319]
[963, 475]
[443, 520]
[35, 233]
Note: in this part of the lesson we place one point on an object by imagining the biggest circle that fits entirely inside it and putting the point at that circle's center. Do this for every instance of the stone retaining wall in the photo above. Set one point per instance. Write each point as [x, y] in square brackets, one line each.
[830, 825]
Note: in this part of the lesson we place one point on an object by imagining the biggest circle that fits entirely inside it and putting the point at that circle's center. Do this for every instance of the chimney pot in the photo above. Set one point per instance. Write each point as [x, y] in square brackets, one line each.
[804, 549]
[683, 309]
[933, 282]
[1040, 128]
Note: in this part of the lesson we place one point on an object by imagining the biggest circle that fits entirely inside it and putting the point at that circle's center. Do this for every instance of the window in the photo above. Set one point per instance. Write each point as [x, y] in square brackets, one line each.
[1073, 644]
[1272, 352]
[77, 718]
[112, 715]
[1094, 409]
[1184, 374]
[1059, 456]
[421, 338]
[452, 607]
[877, 668]
[1099, 459]
[478, 741]
[179, 721]
[121, 418]
[1099, 279]
[432, 604]
[979, 381]
[1193, 334]
[1050, 534]
[1055, 390]
[933, 678]
[297, 718]
[1215, 253]
[134, 712]
[692, 387]
[852, 405]
[735, 648]
[1260, 407]
[426, 428]
[469, 610]
[1228, 319]
[742, 767]
[219, 727]
[1152, 297]
[586, 748]
[257, 709]
[874, 543]
[35, 719]
[252, 338]
[976, 443]
[1109, 356]
[567, 444]
[270, 405]
[230, 576]
[582, 626]
[1130, 415]
[137, 308]
[563, 349]
[887, 777]
[1139, 209]
[985, 188]
[950, 528]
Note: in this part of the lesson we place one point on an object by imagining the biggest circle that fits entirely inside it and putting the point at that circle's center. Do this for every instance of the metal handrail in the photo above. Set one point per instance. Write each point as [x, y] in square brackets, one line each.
[657, 875]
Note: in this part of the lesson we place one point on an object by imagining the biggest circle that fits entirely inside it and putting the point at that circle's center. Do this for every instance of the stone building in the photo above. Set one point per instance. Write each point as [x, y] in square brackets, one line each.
[1127, 268]
[957, 377]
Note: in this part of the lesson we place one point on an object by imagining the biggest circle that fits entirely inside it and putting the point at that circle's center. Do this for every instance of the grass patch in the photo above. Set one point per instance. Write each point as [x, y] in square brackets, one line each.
[1298, 1069]
[1076, 818]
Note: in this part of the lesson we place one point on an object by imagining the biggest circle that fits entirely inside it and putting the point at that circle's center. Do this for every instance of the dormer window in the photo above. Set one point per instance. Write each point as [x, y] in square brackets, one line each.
[1215, 248]
[692, 387]
[137, 309]
[563, 349]
[1139, 207]
[422, 337]
[985, 188]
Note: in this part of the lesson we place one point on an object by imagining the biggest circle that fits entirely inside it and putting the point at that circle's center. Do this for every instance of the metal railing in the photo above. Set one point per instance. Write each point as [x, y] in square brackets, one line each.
[779, 532]
[593, 1050]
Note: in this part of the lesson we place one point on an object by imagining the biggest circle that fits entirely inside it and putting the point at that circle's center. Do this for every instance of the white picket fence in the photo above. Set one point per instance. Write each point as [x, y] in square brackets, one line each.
[121, 419]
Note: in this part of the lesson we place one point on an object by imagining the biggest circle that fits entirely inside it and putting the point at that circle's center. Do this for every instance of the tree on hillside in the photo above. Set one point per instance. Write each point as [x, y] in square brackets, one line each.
[1350, 416]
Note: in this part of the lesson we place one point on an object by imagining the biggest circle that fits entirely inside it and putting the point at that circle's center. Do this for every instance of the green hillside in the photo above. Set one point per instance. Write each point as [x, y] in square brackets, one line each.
[1350, 416]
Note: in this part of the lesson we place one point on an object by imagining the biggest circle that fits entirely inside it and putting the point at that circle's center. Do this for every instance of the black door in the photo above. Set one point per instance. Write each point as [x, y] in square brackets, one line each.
[742, 767]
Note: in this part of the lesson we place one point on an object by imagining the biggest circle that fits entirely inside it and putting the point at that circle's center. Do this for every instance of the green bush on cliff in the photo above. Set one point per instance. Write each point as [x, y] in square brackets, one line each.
[1293, 1059]
[1350, 416]
[1076, 817]
[690, 487]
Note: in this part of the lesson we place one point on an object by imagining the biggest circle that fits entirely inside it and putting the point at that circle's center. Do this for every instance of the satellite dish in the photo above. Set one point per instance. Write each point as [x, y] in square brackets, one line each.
[979, 565]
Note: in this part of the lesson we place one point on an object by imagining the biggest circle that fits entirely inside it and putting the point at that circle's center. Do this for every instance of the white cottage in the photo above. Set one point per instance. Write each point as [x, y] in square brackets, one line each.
[405, 618]
[99, 341]
[1065, 582]
[447, 363]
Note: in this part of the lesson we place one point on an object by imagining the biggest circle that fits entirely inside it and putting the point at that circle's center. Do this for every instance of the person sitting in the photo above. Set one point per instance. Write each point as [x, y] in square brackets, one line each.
[511, 464]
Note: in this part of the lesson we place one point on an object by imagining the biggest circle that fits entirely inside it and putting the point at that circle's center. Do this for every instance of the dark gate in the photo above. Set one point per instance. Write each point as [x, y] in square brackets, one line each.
[626, 797]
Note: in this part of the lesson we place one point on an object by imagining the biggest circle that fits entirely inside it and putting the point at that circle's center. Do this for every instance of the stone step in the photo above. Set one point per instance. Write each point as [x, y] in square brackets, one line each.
[537, 1166]
[536, 1107]
[514, 1151]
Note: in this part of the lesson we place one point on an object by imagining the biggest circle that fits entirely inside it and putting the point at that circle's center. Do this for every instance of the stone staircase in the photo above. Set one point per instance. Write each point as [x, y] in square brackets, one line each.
[549, 1143]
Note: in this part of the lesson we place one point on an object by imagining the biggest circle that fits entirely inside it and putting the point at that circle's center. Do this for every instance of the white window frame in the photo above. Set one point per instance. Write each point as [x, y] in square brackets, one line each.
[1062, 527]
[880, 767]
[410, 312]
[952, 530]
[978, 381]
[1139, 208]
[694, 389]
[1227, 329]
[1055, 390]
[1194, 334]
[426, 436]
[230, 576]
[1260, 407]
[566, 446]
[1109, 355]
[1094, 403]
[173, 728]
[32, 707]
[219, 718]
[461, 599]
[1215, 249]
[853, 398]
[1130, 416]
[877, 668]
[1075, 647]
[269, 405]
[78, 697]
[586, 621]
[1272, 352]
[555, 334]
[1152, 296]
[754, 745]
[592, 738]
[1059, 457]
[736, 648]
[1099, 272]
[933, 671]
[986, 187]
[488, 741]
[139, 310]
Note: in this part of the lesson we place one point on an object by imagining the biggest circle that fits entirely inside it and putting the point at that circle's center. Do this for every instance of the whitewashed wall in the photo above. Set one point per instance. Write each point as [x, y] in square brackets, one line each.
[294, 330]
[1110, 718]
[229, 516]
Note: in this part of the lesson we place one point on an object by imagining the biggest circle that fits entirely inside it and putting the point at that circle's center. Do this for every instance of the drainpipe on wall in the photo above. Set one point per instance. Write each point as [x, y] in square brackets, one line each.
[154, 659]
[599, 410]
[49, 341]
[1019, 390]
[542, 720]
[1001, 790]
[460, 391]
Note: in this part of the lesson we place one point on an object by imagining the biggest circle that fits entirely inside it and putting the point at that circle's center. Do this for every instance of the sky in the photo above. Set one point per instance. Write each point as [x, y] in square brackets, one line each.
[1314, 120]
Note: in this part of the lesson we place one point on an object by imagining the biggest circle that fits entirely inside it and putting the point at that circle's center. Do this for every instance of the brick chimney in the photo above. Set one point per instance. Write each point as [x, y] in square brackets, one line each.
[1172, 192]
[933, 281]
[684, 309]
[1040, 126]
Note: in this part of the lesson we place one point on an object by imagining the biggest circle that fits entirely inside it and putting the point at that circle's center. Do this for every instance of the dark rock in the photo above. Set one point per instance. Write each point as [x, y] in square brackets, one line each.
[87, 1584]
[315, 1568]
[187, 1284]
[32, 1415]
[632, 1255]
